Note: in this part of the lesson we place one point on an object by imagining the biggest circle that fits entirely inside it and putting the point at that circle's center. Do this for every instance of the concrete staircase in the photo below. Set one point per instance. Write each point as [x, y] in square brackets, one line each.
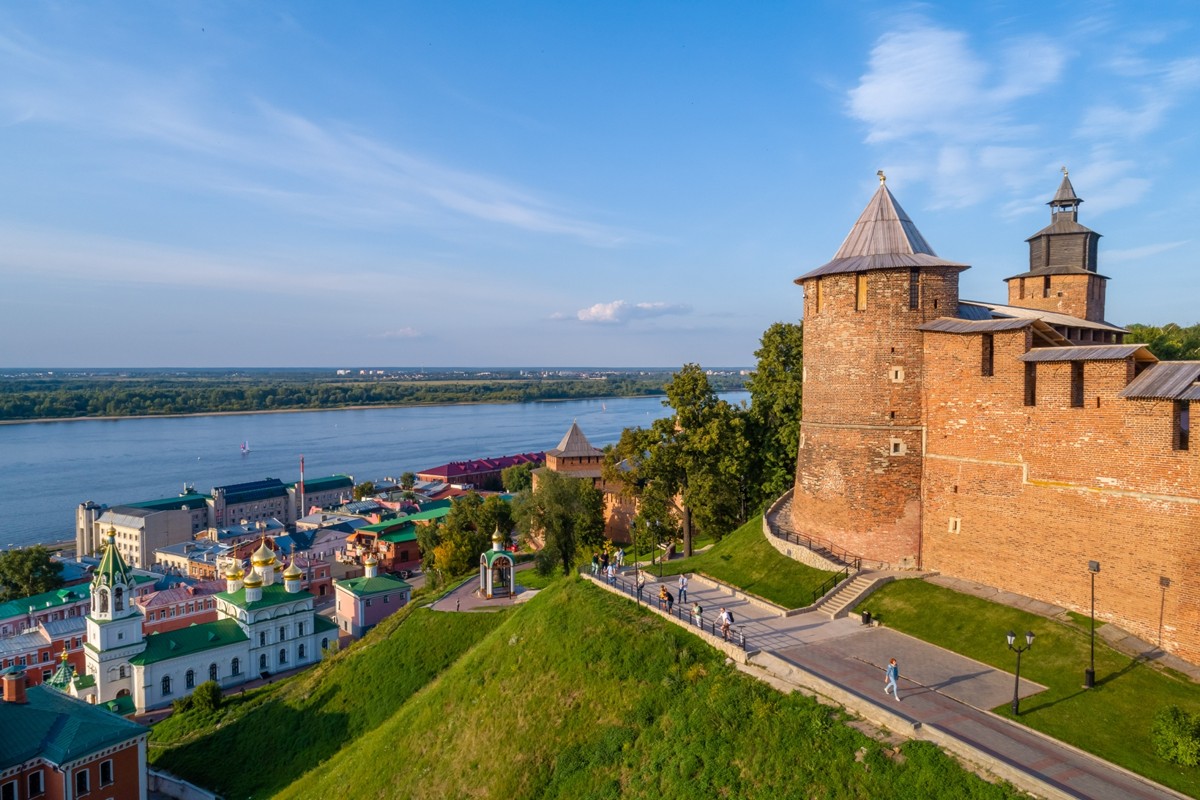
[840, 602]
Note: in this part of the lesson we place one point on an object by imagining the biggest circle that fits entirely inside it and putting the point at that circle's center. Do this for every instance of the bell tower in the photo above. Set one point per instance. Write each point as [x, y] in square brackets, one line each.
[114, 626]
[1062, 274]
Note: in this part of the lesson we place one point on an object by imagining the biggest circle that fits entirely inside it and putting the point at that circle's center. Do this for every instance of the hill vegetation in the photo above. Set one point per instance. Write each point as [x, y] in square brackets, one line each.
[575, 694]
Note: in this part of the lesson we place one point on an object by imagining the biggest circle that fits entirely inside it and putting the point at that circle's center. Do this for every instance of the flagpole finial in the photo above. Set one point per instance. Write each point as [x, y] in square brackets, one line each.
[882, 177]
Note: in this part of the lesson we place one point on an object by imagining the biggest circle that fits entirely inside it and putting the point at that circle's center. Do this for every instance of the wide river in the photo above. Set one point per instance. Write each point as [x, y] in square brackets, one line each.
[48, 468]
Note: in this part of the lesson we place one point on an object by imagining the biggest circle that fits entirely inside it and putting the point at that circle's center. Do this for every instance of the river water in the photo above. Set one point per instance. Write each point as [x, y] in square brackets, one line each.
[47, 469]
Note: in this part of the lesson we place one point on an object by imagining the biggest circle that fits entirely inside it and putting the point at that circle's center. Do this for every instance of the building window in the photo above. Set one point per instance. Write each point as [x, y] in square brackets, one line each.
[106, 772]
[8, 791]
[325, 643]
[299, 628]
[1076, 384]
[189, 679]
[282, 656]
[914, 289]
[1021, 290]
[83, 781]
[282, 633]
[860, 292]
[102, 601]
[955, 525]
[262, 638]
[121, 672]
[166, 684]
[37, 783]
[987, 368]
[236, 666]
[1030, 384]
[898, 447]
[262, 662]
[118, 599]
[820, 295]
[1180, 422]
[300, 652]
[368, 602]
[387, 598]
[1046, 286]
[212, 672]
[896, 374]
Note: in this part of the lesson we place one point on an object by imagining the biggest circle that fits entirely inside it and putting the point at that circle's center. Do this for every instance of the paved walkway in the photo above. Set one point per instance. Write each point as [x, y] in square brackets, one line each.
[944, 696]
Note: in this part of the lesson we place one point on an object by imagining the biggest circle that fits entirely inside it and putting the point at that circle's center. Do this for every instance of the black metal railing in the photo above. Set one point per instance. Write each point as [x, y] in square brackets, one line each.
[735, 635]
[840, 554]
[831, 582]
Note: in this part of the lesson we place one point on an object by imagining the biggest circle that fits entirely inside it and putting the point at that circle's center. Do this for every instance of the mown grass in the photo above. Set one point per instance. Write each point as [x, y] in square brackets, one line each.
[532, 580]
[1111, 720]
[581, 694]
[745, 559]
[263, 740]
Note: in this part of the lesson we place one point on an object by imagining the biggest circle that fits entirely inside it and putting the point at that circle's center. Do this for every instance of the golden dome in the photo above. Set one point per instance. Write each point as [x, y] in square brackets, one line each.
[263, 556]
[234, 572]
[370, 560]
[253, 580]
[293, 572]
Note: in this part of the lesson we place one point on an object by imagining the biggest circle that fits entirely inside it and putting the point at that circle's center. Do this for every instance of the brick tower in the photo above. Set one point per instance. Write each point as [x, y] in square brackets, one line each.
[858, 472]
[1062, 273]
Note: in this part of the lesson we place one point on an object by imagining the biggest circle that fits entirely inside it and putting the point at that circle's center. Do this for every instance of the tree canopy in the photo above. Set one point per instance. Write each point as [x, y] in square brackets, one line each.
[453, 547]
[1169, 342]
[776, 390]
[28, 571]
[518, 477]
[567, 513]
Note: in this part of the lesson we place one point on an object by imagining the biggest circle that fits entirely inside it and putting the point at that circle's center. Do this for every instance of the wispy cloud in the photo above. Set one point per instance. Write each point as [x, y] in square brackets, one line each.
[620, 311]
[252, 148]
[1145, 251]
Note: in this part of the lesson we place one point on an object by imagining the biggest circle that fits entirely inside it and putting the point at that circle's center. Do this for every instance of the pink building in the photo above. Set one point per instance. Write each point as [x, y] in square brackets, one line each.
[363, 602]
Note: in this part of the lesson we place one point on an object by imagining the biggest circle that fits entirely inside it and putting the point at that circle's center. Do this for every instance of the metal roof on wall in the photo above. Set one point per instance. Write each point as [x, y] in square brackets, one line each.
[1098, 352]
[1166, 380]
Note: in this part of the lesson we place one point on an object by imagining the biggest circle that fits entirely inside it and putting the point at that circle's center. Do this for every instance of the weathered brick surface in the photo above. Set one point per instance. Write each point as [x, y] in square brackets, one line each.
[1080, 296]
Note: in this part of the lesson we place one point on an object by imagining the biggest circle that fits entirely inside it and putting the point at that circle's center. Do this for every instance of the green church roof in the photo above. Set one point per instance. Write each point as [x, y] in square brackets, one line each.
[189, 640]
[58, 728]
[273, 595]
[112, 569]
[364, 587]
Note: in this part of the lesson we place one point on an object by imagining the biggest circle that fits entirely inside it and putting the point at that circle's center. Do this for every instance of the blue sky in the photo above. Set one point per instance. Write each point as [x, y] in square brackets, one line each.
[499, 184]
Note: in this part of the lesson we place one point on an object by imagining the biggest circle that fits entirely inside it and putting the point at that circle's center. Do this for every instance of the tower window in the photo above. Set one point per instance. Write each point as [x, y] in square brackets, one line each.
[1046, 286]
[1181, 420]
[820, 295]
[898, 448]
[1021, 290]
[897, 374]
[860, 292]
[955, 525]
[1031, 384]
[914, 289]
[1076, 384]
[987, 368]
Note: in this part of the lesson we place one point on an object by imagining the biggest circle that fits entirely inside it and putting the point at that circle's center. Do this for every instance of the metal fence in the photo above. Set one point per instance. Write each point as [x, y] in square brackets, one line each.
[707, 622]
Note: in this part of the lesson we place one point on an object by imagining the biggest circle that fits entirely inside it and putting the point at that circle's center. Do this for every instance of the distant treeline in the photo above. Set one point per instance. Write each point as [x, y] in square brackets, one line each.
[28, 399]
[1169, 342]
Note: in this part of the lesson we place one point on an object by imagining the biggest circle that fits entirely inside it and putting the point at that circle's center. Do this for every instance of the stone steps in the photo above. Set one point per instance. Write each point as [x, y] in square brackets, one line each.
[840, 602]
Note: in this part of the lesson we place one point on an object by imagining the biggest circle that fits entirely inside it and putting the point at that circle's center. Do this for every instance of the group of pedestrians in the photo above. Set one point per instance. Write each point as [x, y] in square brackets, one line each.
[606, 567]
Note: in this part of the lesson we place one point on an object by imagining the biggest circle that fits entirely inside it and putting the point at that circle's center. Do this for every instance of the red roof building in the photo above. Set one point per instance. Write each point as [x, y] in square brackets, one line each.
[482, 473]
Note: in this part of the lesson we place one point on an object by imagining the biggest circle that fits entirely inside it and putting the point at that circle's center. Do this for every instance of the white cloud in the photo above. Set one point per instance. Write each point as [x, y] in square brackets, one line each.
[620, 311]
[398, 333]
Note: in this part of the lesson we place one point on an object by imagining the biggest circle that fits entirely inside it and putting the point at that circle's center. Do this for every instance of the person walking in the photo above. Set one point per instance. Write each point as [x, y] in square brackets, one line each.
[621, 558]
[892, 674]
[683, 584]
[662, 598]
[612, 575]
[726, 620]
[698, 615]
[641, 584]
[670, 600]
[603, 560]
[595, 564]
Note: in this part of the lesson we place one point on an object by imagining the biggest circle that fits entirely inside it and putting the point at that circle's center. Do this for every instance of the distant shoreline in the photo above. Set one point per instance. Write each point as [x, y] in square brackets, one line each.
[328, 408]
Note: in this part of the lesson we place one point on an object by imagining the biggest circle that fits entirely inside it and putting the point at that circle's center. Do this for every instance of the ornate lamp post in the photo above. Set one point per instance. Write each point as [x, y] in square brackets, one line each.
[1089, 676]
[1012, 637]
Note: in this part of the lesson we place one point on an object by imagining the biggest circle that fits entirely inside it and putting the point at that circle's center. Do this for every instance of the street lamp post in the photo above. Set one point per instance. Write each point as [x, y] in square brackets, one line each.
[1012, 637]
[1089, 677]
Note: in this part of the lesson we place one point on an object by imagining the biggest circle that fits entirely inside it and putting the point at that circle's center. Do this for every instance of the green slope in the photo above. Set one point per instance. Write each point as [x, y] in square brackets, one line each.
[260, 742]
[580, 694]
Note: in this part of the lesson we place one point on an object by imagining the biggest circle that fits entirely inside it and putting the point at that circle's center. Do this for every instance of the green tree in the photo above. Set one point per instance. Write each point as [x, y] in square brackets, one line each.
[518, 477]
[408, 480]
[1169, 342]
[364, 489]
[28, 571]
[207, 697]
[568, 513]
[776, 390]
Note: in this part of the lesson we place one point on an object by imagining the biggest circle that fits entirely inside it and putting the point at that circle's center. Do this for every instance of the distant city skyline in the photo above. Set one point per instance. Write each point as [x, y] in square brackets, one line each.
[225, 185]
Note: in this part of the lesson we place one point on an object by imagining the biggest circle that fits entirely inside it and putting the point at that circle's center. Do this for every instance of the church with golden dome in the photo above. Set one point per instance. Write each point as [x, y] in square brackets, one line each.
[265, 624]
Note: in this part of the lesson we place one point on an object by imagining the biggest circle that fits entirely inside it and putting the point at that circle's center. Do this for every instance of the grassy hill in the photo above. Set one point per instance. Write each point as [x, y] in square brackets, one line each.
[259, 742]
[575, 694]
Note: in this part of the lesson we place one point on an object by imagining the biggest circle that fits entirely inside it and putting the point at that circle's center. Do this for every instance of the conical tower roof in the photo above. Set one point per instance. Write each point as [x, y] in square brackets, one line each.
[884, 237]
[112, 570]
[1065, 196]
[575, 444]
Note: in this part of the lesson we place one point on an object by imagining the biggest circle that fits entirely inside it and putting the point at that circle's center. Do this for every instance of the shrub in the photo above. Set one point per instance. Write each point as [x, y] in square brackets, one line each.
[1175, 734]
[182, 704]
[207, 697]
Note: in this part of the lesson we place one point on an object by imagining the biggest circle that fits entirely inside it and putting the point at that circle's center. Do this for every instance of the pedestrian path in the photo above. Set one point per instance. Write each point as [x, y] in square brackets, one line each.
[945, 697]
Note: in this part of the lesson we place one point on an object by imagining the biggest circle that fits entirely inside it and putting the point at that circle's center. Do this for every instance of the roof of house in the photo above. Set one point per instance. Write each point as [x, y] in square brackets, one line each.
[251, 491]
[58, 728]
[884, 237]
[186, 641]
[952, 325]
[1052, 317]
[39, 602]
[273, 595]
[365, 587]
[1166, 380]
[326, 484]
[189, 500]
[574, 445]
[179, 594]
[405, 534]
[466, 469]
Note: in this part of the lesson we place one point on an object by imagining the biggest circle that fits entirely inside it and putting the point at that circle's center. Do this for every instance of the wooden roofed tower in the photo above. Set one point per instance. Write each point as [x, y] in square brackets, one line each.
[858, 473]
[1062, 275]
